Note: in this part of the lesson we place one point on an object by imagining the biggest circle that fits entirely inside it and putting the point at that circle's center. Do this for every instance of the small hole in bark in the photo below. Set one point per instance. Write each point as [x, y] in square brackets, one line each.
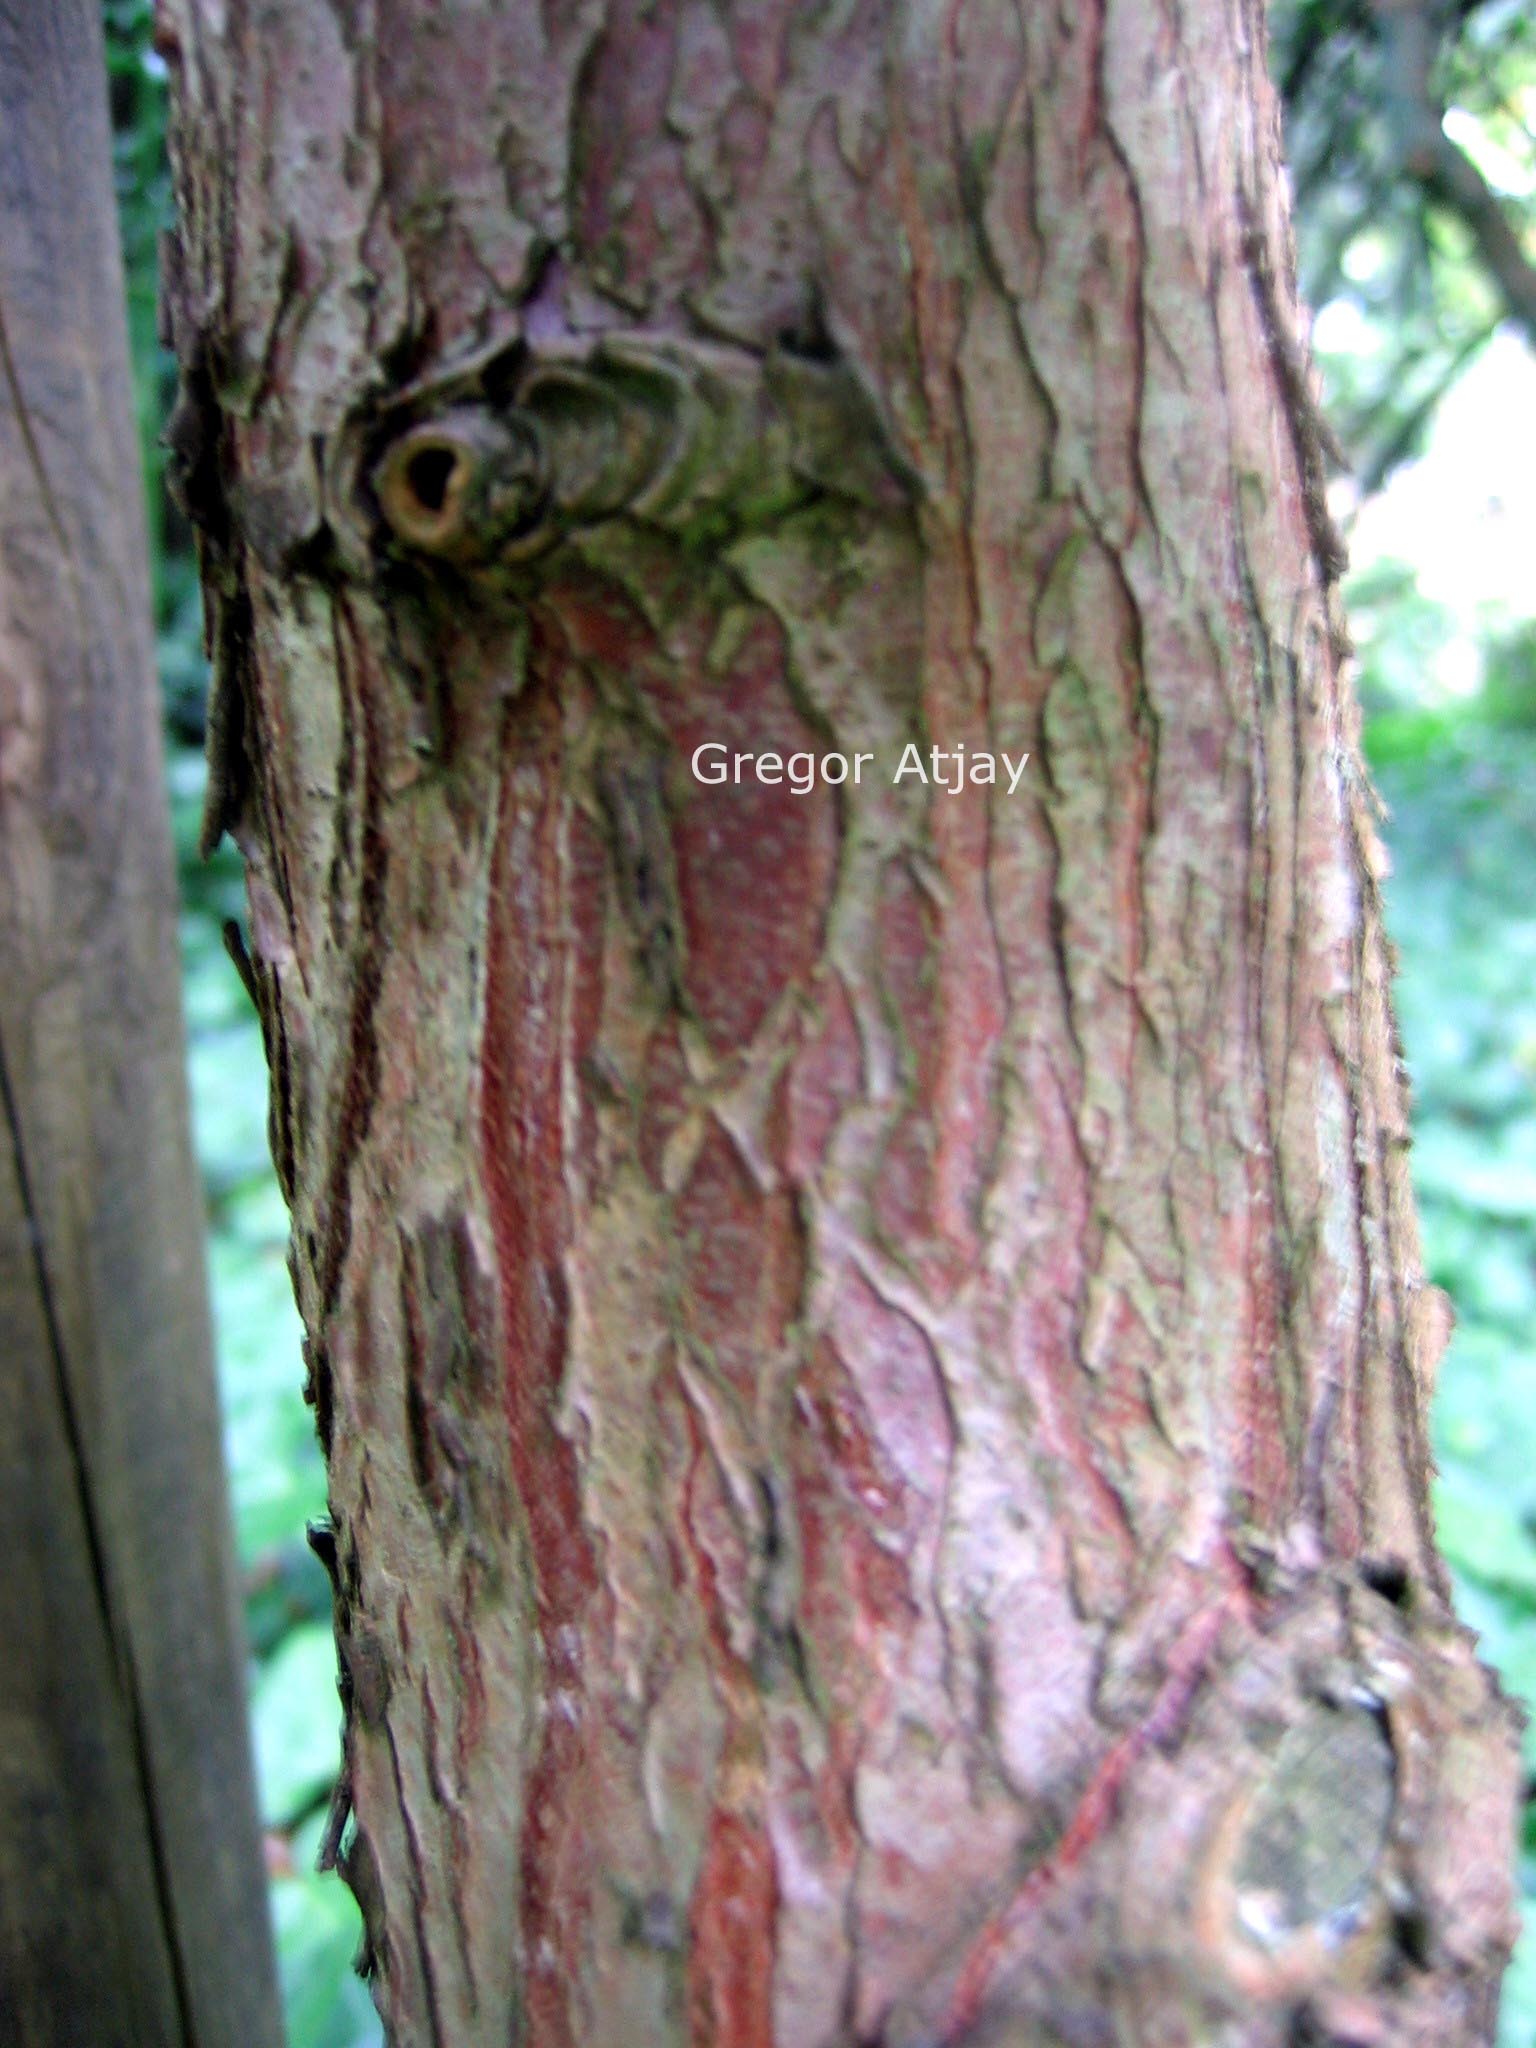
[1389, 1577]
[428, 475]
[324, 1405]
[1411, 1930]
[810, 344]
[773, 1535]
[424, 484]
[418, 1435]
[806, 333]
[463, 486]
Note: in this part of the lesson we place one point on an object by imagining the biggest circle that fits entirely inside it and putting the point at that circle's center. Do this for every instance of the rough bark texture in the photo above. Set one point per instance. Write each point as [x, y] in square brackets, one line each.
[870, 1343]
[132, 1900]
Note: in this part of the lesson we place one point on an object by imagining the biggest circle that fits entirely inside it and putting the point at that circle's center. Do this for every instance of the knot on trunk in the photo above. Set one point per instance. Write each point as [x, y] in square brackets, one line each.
[494, 465]
[467, 486]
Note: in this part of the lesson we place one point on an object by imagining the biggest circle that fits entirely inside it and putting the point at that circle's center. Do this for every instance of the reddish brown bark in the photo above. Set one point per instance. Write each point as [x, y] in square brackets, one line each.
[870, 1343]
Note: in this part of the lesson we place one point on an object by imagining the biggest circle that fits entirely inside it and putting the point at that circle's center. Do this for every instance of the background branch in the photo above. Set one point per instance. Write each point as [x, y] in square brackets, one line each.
[1410, 35]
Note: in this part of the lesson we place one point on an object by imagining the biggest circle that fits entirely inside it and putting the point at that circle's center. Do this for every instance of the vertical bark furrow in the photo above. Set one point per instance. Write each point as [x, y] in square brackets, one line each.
[526, 1149]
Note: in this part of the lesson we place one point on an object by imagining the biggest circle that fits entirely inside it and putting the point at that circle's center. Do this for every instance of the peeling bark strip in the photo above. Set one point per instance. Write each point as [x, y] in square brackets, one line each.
[870, 1339]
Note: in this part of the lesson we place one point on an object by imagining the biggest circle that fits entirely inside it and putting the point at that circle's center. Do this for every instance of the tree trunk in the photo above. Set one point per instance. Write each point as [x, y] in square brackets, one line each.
[869, 1339]
[132, 1902]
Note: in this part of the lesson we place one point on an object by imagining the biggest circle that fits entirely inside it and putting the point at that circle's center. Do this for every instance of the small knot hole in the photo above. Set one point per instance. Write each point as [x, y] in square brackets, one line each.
[429, 474]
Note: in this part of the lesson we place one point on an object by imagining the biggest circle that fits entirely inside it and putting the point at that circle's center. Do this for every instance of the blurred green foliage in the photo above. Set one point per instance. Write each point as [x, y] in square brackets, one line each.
[1408, 303]
[1445, 619]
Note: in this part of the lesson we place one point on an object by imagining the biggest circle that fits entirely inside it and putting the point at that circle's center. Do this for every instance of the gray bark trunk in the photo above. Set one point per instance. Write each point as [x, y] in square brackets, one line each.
[132, 1901]
[869, 1341]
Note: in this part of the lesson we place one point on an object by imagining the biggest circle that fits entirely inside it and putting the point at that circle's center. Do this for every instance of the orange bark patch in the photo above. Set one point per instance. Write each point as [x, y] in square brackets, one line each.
[730, 1959]
[749, 936]
[523, 1149]
[826, 1079]
[743, 1261]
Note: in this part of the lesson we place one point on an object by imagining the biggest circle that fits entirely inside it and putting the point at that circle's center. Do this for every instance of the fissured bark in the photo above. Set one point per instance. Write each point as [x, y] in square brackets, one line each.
[869, 1339]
